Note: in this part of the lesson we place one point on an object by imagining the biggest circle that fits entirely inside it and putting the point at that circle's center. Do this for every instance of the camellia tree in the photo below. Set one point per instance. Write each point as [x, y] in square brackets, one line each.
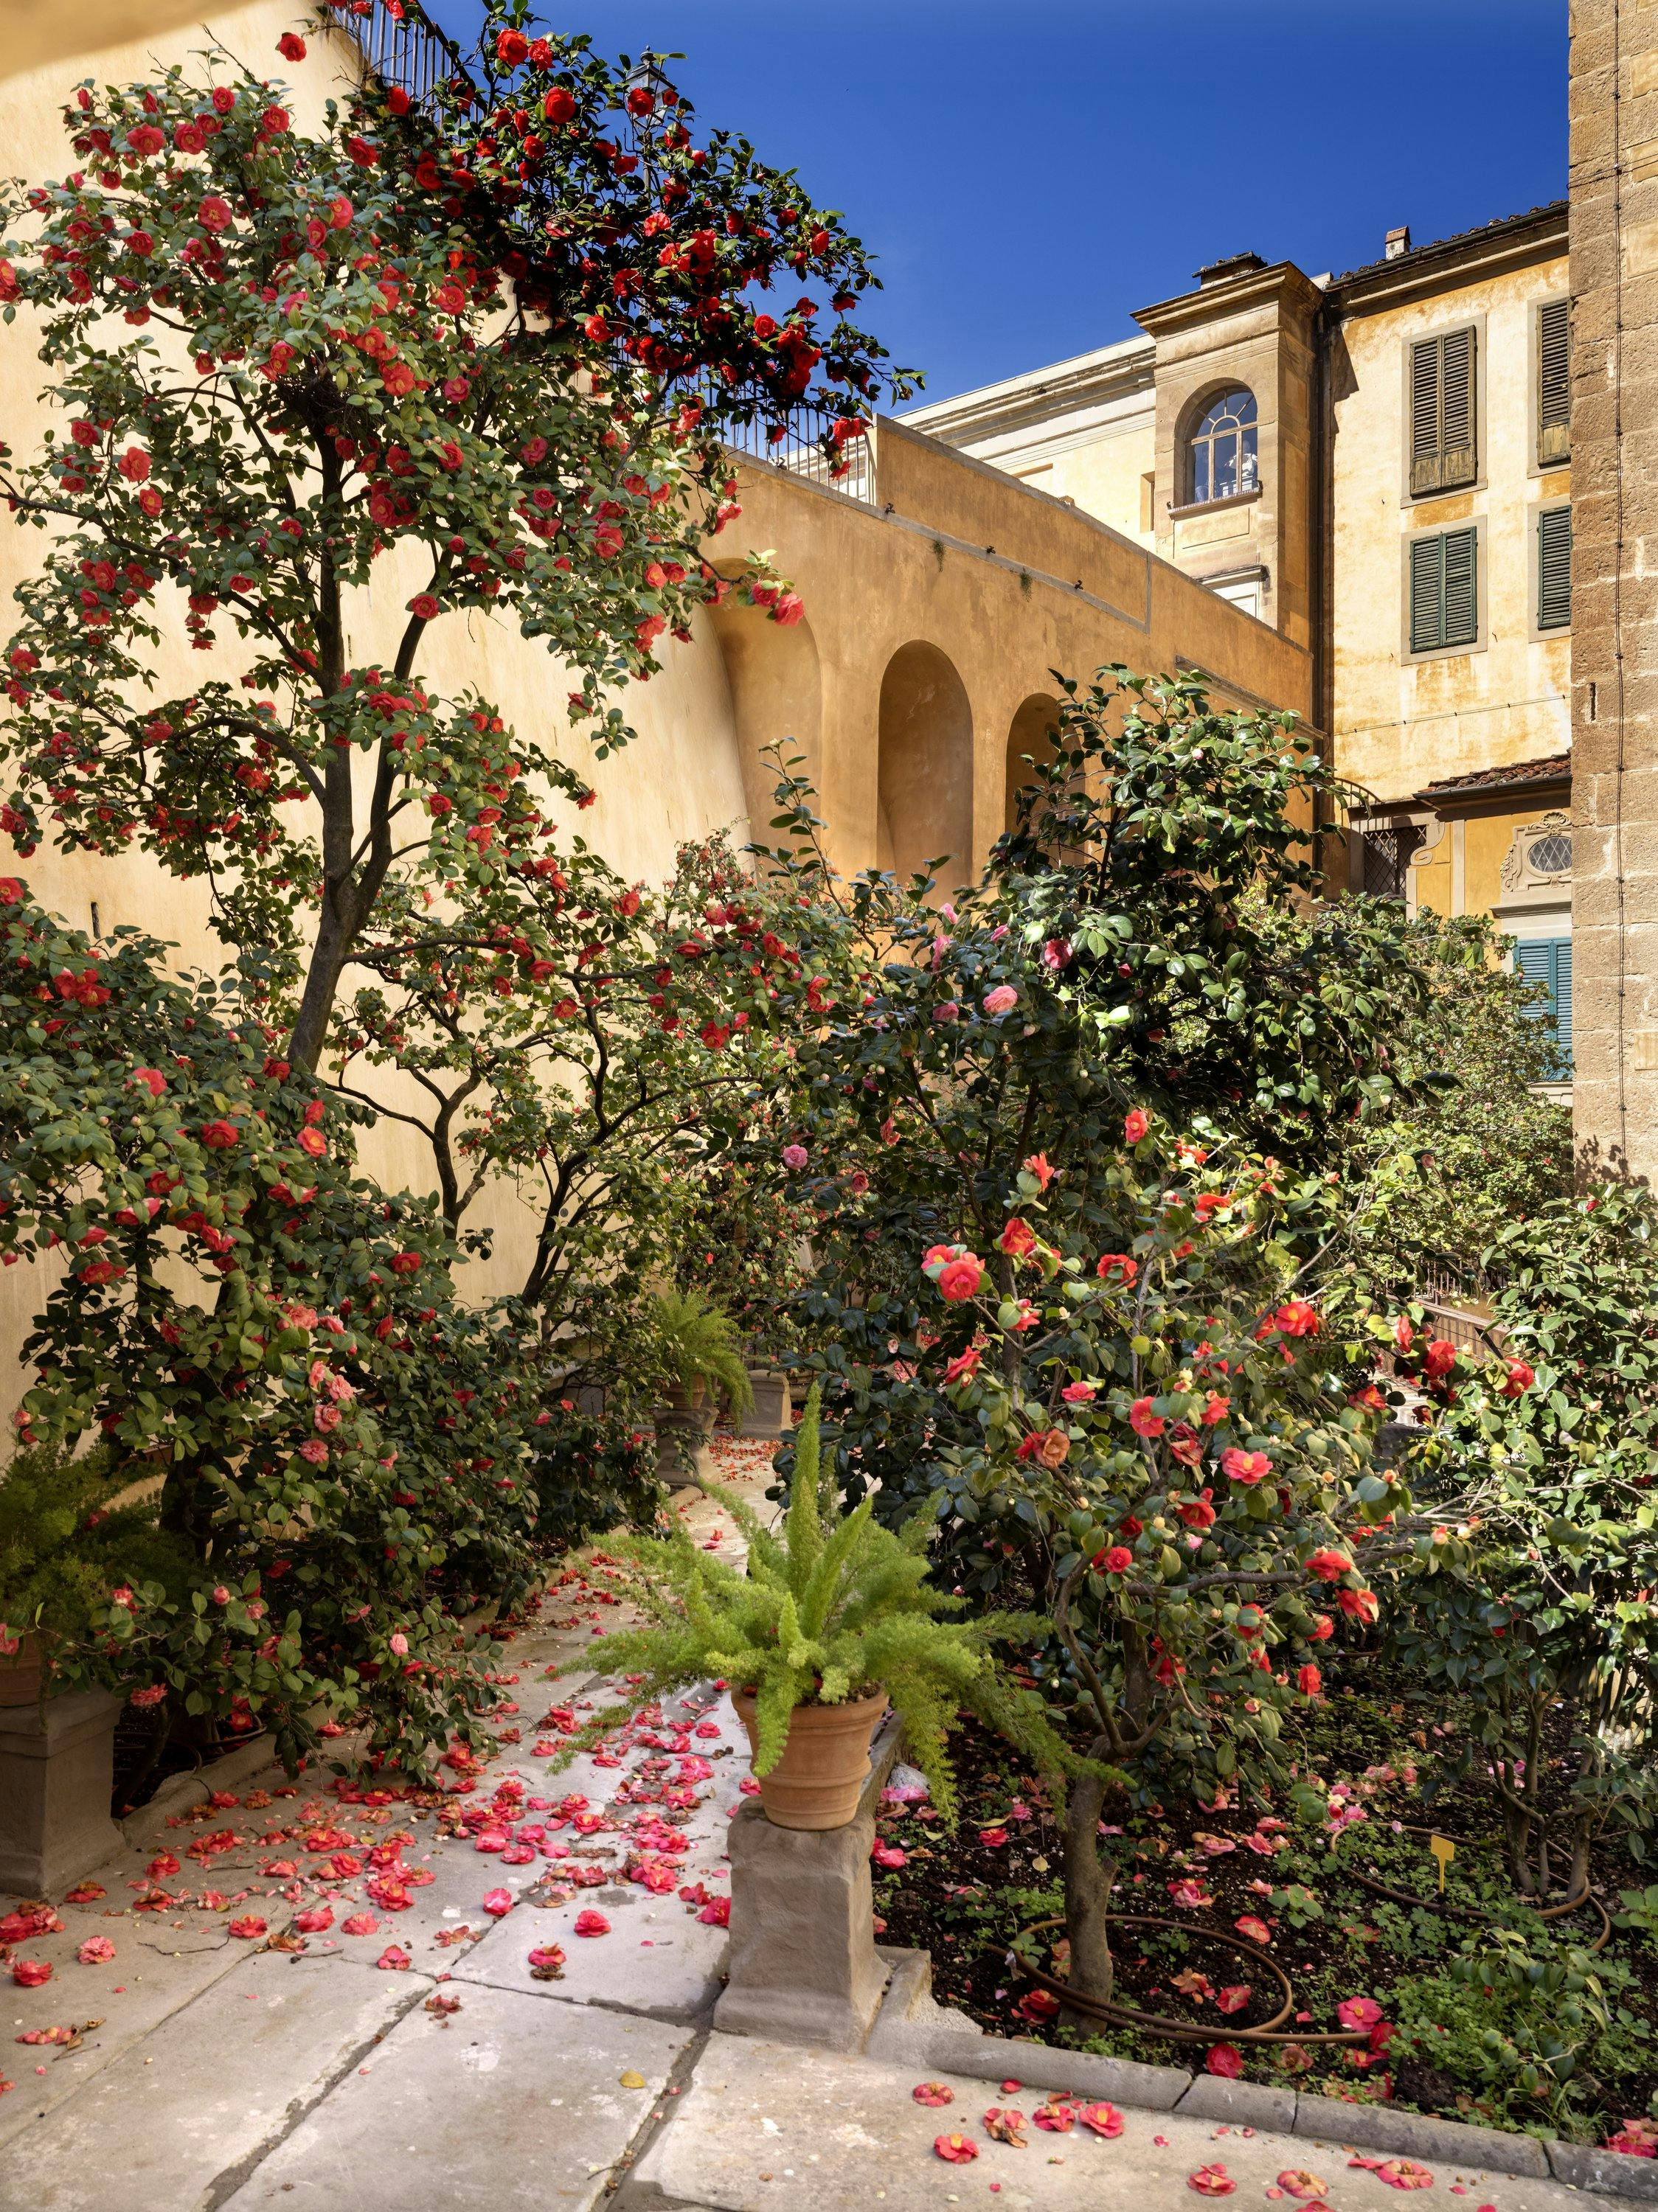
[1181, 1445]
[473, 360]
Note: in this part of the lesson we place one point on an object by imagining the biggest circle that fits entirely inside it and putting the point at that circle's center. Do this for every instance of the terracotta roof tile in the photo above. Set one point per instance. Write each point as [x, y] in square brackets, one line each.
[1556, 768]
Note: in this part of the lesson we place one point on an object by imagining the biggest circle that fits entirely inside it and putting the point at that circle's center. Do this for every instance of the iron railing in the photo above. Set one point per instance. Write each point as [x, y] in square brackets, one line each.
[402, 45]
[799, 452]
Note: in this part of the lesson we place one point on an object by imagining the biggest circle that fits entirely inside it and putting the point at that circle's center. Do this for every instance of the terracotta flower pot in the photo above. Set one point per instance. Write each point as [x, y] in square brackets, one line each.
[826, 1761]
[20, 1675]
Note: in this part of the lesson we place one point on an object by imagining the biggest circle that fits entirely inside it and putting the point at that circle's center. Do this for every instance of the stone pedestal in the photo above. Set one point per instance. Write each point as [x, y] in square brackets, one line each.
[57, 1773]
[683, 1457]
[803, 1965]
[772, 1414]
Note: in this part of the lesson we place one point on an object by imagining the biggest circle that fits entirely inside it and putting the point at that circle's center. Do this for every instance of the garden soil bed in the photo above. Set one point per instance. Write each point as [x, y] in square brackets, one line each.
[965, 1897]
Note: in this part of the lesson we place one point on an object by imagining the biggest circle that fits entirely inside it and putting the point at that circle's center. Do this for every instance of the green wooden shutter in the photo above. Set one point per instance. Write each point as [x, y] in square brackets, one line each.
[1427, 594]
[1444, 440]
[1548, 960]
[1461, 586]
[1458, 463]
[1553, 381]
[1554, 568]
[1425, 416]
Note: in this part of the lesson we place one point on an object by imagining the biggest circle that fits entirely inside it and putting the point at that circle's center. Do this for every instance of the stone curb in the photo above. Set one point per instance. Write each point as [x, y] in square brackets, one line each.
[903, 2032]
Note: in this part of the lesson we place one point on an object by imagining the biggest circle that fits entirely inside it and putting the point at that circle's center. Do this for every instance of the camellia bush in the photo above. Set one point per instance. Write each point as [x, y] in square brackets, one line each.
[341, 1444]
[1532, 1598]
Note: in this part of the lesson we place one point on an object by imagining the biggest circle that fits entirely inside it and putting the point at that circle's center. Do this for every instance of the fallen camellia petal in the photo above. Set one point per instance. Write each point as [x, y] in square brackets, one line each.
[1404, 2174]
[1226, 2060]
[958, 2149]
[85, 1893]
[1233, 1999]
[1212, 2181]
[360, 1923]
[888, 1855]
[933, 2092]
[394, 1960]
[592, 1924]
[248, 1928]
[313, 1921]
[1011, 2088]
[1295, 2058]
[1055, 2117]
[546, 1962]
[1256, 1930]
[497, 1902]
[96, 1950]
[1297, 2181]
[1038, 2006]
[1105, 2120]
[1007, 2127]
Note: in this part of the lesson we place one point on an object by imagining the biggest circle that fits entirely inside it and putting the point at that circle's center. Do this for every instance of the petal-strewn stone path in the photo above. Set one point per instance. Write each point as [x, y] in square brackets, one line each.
[406, 2054]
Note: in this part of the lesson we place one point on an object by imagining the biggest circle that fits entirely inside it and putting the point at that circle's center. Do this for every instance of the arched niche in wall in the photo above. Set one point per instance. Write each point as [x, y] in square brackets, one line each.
[925, 777]
[1030, 743]
[776, 695]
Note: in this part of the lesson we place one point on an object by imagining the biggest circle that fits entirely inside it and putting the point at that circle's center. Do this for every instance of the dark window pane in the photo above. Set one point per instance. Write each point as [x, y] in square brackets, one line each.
[1200, 472]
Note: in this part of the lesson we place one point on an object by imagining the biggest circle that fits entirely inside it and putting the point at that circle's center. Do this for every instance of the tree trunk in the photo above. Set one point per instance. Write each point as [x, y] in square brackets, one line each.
[1089, 1881]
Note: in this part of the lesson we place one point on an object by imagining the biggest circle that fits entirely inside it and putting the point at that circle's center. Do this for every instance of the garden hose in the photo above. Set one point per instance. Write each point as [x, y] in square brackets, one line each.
[1585, 1896]
[1181, 2030]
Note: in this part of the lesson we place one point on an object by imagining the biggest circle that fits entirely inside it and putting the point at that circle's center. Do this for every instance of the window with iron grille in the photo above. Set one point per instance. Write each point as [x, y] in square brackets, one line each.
[1444, 591]
[1386, 856]
[1554, 568]
[1553, 382]
[1444, 442]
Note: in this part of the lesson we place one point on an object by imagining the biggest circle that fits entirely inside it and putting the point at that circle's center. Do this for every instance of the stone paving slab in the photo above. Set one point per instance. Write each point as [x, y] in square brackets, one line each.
[764, 2127]
[203, 2096]
[658, 1960]
[514, 2101]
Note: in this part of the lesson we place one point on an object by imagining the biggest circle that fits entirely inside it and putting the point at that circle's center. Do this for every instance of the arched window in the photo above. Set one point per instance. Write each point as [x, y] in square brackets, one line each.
[1222, 448]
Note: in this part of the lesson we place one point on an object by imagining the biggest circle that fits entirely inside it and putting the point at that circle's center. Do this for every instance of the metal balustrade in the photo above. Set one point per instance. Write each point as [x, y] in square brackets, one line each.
[799, 452]
[401, 45]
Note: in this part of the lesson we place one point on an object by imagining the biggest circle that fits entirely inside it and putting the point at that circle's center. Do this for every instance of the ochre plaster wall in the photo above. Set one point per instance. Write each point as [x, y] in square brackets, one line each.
[1105, 478]
[1398, 725]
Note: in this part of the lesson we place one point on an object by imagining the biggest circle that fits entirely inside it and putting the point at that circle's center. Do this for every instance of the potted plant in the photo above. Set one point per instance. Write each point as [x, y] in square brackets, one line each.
[700, 1351]
[831, 1621]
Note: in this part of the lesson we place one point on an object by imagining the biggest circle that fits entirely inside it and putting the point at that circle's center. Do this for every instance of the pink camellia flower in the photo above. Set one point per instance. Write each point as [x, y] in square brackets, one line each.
[96, 1951]
[1055, 953]
[1143, 1421]
[249, 1929]
[497, 1903]
[1104, 2119]
[1078, 1394]
[1245, 1467]
[1135, 1125]
[947, 1010]
[888, 1855]
[30, 1973]
[395, 1959]
[1002, 1001]
[360, 1923]
[399, 1644]
[1190, 1892]
[794, 1158]
[592, 1924]
[221, 1595]
[1256, 1930]
[1358, 2012]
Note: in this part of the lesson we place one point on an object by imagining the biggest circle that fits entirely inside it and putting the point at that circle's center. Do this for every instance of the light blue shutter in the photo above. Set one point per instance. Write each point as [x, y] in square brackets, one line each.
[1548, 960]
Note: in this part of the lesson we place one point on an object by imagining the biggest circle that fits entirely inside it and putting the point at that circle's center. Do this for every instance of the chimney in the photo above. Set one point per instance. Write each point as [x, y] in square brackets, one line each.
[1397, 241]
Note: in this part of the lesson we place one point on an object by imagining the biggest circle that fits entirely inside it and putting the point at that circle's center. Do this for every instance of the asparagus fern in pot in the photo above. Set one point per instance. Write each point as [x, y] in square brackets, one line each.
[832, 1621]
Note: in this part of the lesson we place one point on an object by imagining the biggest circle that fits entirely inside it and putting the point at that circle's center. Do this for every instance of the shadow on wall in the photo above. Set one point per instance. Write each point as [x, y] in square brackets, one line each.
[1031, 742]
[777, 698]
[925, 780]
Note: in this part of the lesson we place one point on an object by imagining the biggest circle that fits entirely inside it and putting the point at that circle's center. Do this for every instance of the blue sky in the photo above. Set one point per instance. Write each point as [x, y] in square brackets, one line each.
[1029, 171]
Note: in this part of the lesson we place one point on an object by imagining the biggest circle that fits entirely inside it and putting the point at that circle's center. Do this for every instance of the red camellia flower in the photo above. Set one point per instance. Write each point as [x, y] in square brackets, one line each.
[1439, 1360]
[1118, 1560]
[423, 607]
[933, 2092]
[1104, 2119]
[592, 1924]
[30, 1973]
[1143, 1421]
[1520, 1379]
[1330, 1566]
[1017, 1239]
[1226, 2060]
[1212, 2181]
[249, 1929]
[1308, 1681]
[1118, 1265]
[406, 1263]
[1135, 1125]
[219, 1136]
[291, 46]
[1244, 1467]
[511, 48]
[395, 1959]
[958, 1279]
[215, 214]
[957, 2149]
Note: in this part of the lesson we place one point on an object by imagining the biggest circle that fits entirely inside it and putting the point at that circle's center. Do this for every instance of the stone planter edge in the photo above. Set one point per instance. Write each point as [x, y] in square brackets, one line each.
[913, 2029]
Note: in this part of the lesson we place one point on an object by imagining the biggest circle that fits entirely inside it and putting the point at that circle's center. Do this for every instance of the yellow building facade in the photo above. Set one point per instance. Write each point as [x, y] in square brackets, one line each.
[1376, 466]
